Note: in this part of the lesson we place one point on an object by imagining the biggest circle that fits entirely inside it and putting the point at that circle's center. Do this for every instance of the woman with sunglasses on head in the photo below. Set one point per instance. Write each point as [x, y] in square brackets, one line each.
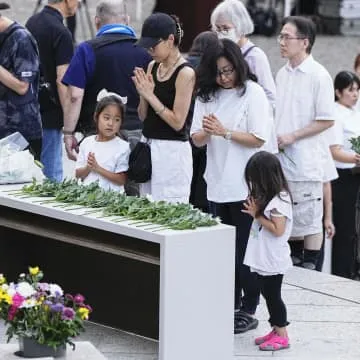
[165, 97]
[231, 117]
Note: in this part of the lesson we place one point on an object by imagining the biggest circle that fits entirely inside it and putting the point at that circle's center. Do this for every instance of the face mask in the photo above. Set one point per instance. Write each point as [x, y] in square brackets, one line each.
[230, 34]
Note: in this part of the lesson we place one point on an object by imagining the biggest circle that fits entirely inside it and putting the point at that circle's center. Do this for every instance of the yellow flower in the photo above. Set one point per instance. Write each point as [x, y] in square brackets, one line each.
[84, 313]
[7, 298]
[34, 270]
[2, 279]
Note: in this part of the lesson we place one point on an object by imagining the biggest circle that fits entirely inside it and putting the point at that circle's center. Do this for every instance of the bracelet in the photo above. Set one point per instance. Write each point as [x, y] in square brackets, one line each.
[160, 111]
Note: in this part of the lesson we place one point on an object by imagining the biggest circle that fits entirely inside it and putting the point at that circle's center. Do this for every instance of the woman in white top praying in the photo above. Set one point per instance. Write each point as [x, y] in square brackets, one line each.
[268, 251]
[104, 157]
[231, 117]
[346, 187]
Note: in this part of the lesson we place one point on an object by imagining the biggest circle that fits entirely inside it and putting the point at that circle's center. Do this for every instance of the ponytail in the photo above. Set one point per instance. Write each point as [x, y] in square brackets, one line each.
[179, 30]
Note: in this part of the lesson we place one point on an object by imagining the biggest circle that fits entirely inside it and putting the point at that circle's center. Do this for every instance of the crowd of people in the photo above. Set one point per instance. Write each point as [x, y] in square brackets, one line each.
[273, 157]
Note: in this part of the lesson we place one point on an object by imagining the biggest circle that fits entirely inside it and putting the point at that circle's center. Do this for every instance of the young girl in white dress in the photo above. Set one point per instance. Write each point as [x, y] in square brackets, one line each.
[104, 157]
[268, 252]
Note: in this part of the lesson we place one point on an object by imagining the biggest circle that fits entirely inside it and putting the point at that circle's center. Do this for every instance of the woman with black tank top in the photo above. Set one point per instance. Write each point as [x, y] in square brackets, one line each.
[165, 96]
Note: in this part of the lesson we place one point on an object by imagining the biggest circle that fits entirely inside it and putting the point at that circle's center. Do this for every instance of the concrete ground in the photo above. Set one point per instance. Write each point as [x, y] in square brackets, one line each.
[324, 312]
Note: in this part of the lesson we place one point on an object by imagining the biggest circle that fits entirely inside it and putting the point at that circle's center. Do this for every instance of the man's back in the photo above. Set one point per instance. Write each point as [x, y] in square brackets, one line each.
[56, 49]
[18, 55]
[108, 61]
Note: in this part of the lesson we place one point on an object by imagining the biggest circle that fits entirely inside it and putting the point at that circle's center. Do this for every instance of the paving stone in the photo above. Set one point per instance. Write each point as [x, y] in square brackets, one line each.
[84, 351]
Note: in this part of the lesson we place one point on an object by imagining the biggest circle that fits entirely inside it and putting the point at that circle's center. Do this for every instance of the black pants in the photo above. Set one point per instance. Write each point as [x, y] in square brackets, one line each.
[245, 281]
[270, 287]
[198, 196]
[344, 190]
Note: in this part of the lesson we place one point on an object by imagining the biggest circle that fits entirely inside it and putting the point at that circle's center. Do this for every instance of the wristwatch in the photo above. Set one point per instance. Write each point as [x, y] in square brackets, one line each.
[228, 135]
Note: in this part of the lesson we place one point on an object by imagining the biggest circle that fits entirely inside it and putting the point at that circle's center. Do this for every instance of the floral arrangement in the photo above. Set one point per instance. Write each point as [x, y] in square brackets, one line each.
[40, 311]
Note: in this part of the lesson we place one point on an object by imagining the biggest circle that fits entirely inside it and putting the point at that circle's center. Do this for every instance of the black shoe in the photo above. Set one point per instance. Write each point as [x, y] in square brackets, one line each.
[244, 322]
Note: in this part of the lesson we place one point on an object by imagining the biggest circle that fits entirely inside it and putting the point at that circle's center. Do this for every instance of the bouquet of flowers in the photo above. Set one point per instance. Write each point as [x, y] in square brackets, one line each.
[40, 311]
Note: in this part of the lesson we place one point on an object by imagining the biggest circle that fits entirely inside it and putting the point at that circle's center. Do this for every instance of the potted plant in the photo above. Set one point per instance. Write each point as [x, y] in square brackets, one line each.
[42, 317]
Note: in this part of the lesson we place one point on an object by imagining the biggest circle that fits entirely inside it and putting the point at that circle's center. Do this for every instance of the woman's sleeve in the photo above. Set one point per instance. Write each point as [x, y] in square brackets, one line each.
[258, 113]
[199, 112]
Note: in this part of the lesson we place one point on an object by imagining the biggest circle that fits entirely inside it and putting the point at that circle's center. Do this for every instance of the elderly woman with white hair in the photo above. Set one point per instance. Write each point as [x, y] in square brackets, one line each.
[231, 20]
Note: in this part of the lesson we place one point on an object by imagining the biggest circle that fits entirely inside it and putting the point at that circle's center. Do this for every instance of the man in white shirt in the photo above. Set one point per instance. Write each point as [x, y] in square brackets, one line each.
[304, 109]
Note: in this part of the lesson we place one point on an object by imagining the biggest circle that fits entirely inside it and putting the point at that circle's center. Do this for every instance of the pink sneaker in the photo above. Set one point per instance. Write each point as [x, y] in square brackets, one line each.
[275, 343]
[262, 339]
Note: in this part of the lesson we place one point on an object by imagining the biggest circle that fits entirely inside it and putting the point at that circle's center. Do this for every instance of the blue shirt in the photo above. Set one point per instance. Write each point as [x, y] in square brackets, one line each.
[20, 113]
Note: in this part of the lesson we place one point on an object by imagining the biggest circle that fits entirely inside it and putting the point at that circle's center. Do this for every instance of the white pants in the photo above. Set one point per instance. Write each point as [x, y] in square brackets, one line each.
[171, 171]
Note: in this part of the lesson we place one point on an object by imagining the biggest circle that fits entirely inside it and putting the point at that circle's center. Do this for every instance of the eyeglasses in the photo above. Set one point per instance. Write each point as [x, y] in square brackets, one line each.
[287, 38]
[225, 72]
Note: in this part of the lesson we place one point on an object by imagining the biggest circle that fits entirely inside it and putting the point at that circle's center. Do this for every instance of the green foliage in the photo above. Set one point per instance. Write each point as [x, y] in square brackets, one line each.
[355, 144]
[174, 216]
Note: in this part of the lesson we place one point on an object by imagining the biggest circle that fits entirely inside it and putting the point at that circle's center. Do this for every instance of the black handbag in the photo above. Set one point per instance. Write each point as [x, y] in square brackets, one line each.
[140, 163]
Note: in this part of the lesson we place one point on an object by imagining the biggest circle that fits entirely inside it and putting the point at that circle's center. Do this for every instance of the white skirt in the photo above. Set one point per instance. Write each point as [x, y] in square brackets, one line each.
[171, 171]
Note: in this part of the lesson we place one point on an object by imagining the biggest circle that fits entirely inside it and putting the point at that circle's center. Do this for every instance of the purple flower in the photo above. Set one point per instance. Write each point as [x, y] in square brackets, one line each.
[68, 314]
[43, 287]
[79, 299]
[57, 307]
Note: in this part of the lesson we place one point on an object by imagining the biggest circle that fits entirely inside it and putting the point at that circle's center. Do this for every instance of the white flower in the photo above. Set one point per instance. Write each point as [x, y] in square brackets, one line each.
[5, 287]
[28, 303]
[56, 290]
[12, 290]
[22, 275]
[149, 197]
[25, 289]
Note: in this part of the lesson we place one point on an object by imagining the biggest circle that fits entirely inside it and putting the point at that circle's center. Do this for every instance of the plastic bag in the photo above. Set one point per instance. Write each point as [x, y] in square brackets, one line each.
[17, 165]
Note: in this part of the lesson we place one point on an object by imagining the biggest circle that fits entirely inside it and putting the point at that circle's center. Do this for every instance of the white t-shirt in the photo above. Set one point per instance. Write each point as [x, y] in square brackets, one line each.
[226, 160]
[112, 155]
[266, 253]
[347, 126]
[328, 139]
[304, 94]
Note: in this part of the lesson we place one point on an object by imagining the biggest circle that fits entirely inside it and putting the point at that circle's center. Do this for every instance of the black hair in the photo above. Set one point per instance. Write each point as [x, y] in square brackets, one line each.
[106, 101]
[345, 79]
[265, 179]
[305, 28]
[206, 85]
[202, 41]
[179, 35]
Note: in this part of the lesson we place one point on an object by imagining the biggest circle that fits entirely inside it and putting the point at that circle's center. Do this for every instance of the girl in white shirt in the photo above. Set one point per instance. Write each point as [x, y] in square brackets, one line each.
[268, 252]
[231, 117]
[347, 161]
[104, 157]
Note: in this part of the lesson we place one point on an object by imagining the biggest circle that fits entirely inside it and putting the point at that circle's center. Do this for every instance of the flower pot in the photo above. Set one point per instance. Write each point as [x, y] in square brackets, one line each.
[30, 348]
